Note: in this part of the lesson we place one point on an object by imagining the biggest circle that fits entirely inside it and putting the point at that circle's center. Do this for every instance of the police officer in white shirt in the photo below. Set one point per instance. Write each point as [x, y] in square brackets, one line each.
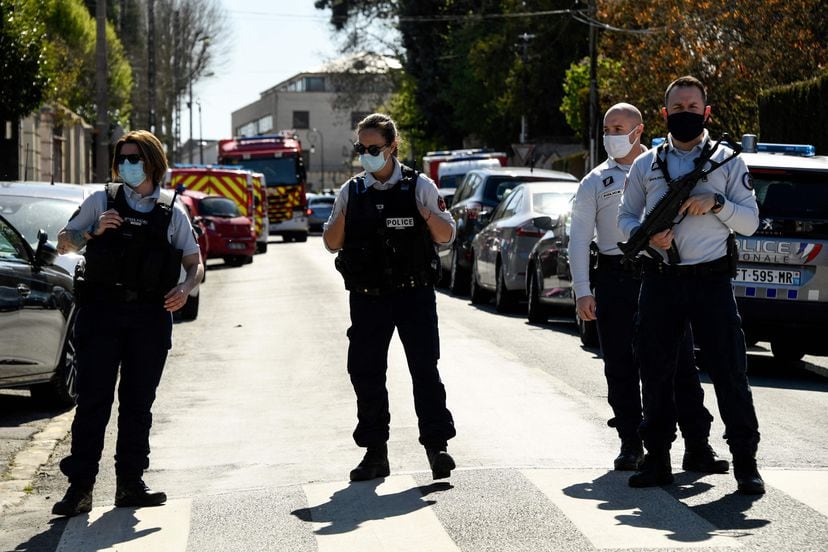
[697, 289]
[614, 303]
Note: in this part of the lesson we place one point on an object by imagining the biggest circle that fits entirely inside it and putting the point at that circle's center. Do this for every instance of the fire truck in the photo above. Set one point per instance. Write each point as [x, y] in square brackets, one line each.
[279, 158]
[245, 188]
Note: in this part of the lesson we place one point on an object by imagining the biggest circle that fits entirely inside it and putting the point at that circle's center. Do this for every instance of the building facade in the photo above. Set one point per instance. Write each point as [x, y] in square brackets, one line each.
[322, 106]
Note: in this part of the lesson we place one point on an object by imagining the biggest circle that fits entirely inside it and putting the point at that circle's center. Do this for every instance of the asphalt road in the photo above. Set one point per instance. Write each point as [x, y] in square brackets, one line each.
[252, 441]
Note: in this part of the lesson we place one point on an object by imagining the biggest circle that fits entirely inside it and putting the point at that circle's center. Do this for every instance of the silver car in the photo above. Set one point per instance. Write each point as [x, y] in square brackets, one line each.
[501, 250]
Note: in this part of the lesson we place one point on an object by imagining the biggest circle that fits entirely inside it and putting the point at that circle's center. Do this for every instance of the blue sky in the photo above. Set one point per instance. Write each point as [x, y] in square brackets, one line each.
[269, 41]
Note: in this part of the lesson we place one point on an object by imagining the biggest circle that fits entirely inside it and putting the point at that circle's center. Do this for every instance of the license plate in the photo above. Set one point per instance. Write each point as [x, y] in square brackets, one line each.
[766, 276]
[236, 246]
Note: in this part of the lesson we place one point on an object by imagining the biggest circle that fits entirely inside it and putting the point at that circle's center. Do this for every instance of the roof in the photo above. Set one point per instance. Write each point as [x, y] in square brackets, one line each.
[780, 161]
[554, 186]
[70, 192]
[526, 171]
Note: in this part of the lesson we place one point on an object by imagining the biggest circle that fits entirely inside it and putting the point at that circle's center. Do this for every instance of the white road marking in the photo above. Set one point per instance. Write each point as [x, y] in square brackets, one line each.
[612, 515]
[379, 515]
[158, 529]
[808, 487]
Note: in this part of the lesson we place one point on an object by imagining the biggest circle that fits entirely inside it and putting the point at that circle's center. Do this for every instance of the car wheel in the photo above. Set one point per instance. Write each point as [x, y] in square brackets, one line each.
[479, 296]
[234, 260]
[261, 247]
[287, 238]
[588, 332]
[538, 313]
[301, 237]
[504, 299]
[459, 279]
[190, 309]
[61, 391]
[786, 352]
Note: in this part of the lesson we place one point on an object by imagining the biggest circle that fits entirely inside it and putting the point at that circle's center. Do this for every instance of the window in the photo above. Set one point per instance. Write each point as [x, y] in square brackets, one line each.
[248, 129]
[301, 119]
[510, 204]
[265, 124]
[357, 116]
[314, 84]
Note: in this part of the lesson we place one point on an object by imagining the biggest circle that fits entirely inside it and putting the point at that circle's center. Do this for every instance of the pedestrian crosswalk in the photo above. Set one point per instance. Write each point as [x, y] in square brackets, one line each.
[479, 510]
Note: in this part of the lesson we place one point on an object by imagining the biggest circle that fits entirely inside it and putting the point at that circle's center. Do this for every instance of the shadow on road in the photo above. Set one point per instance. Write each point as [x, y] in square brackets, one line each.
[661, 510]
[17, 408]
[357, 503]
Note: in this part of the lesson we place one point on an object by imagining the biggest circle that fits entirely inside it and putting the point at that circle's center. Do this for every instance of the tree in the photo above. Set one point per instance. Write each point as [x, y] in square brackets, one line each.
[575, 104]
[736, 49]
[24, 75]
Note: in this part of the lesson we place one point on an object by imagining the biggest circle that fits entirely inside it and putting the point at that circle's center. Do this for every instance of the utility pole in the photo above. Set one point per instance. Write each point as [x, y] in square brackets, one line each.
[102, 120]
[593, 90]
[190, 107]
[524, 43]
[151, 65]
[200, 136]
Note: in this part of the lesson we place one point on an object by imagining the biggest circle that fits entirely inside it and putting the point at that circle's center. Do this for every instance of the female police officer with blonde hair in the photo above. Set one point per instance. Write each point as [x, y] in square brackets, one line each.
[136, 242]
[385, 224]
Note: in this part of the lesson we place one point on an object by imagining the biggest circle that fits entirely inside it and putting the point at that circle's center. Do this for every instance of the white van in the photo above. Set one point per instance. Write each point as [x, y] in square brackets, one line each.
[450, 173]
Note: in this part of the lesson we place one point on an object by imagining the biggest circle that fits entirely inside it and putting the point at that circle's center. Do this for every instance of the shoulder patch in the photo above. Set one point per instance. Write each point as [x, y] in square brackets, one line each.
[441, 203]
[607, 181]
[747, 181]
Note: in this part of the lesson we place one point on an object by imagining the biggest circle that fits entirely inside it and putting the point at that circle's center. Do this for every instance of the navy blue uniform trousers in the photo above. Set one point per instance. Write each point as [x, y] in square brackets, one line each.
[616, 298]
[667, 302]
[413, 312]
[136, 338]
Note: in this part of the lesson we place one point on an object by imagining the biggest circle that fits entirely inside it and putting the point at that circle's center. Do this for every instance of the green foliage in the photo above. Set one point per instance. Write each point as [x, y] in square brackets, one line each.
[575, 104]
[71, 37]
[796, 113]
[23, 72]
[403, 108]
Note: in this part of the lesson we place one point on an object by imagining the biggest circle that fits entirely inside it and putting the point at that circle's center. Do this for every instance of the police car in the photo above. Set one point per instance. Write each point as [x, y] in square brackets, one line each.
[781, 284]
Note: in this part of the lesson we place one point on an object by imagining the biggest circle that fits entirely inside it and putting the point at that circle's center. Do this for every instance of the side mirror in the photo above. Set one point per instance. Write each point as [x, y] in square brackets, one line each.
[544, 223]
[46, 253]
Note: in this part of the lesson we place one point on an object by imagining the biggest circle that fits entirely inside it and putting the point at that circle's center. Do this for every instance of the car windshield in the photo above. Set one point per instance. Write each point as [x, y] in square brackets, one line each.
[219, 207]
[30, 214]
[795, 195]
[551, 203]
[277, 170]
[322, 201]
[451, 180]
[497, 186]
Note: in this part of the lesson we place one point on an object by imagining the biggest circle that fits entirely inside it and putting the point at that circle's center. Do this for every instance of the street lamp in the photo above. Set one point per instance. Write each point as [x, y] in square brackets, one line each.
[200, 136]
[321, 157]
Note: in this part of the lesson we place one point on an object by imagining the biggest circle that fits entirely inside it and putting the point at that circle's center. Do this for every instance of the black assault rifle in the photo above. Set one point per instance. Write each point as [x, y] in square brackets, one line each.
[662, 216]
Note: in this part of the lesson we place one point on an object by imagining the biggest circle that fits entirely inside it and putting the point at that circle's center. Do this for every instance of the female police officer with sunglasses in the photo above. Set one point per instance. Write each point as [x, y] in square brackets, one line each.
[385, 224]
[136, 242]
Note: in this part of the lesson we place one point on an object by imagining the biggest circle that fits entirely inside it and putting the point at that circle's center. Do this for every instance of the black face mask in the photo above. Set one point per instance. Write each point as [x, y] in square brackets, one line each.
[684, 125]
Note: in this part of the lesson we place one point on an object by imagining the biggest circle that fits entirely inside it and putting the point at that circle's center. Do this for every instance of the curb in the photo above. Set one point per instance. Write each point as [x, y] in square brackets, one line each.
[18, 480]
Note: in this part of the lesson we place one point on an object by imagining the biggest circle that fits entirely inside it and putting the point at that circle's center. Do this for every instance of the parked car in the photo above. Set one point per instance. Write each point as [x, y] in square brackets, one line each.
[548, 281]
[448, 195]
[37, 315]
[501, 250]
[230, 235]
[319, 210]
[479, 193]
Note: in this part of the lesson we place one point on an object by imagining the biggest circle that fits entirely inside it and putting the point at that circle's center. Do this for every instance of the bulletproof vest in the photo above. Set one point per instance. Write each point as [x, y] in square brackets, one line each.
[136, 260]
[387, 242]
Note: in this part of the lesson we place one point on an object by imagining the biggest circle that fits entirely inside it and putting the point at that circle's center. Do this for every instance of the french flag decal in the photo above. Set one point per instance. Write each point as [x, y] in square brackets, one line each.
[808, 251]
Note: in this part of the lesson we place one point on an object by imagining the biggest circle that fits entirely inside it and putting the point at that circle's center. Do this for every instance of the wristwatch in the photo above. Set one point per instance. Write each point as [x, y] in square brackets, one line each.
[718, 203]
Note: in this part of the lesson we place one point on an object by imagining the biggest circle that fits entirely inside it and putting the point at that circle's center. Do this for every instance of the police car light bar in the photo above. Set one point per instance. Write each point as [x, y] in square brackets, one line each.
[803, 150]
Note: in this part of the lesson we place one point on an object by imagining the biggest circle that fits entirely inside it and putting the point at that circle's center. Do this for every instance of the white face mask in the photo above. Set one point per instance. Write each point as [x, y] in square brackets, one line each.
[618, 145]
[372, 163]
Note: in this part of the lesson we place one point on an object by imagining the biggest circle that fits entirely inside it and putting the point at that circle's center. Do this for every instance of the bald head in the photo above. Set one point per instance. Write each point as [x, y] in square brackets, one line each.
[625, 110]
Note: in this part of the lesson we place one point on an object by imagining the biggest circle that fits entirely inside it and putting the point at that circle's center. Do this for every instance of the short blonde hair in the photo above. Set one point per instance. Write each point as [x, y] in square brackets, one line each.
[155, 160]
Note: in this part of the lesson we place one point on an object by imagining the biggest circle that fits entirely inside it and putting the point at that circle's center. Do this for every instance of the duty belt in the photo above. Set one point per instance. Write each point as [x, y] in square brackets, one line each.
[719, 266]
[614, 263]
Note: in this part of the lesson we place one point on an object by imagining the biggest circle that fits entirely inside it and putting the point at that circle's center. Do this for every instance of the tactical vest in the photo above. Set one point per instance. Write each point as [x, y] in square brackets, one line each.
[387, 243]
[136, 261]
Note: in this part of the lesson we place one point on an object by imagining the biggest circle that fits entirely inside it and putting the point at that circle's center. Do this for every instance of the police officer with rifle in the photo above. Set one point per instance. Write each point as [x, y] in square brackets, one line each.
[384, 224]
[686, 277]
[616, 285]
[137, 240]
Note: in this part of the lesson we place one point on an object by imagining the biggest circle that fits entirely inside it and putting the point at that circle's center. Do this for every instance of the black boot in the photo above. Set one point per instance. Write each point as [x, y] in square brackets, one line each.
[77, 500]
[702, 458]
[133, 492]
[630, 457]
[440, 461]
[747, 475]
[374, 464]
[655, 470]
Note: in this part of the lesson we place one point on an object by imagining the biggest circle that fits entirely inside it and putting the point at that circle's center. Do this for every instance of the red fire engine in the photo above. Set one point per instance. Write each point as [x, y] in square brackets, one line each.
[279, 157]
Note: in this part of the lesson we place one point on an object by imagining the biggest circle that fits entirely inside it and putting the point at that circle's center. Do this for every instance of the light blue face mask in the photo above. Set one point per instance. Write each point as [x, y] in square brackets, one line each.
[132, 175]
[372, 163]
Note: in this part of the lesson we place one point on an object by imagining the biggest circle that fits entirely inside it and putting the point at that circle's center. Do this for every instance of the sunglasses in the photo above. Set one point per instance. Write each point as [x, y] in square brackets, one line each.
[131, 157]
[372, 150]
